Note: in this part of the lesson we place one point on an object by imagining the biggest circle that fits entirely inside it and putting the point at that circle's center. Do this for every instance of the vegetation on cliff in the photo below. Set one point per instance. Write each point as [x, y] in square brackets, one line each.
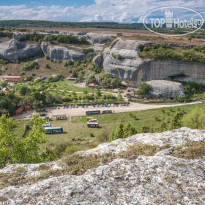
[166, 51]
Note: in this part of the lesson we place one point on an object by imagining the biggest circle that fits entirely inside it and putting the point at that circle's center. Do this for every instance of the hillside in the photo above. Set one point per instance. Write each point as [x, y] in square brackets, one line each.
[166, 168]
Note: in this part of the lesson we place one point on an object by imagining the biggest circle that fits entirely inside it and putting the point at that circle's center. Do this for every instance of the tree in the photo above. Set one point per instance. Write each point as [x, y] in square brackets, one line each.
[176, 121]
[143, 89]
[20, 149]
[3, 84]
[24, 90]
[91, 79]
[195, 119]
[123, 131]
[128, 130]
[118, 133]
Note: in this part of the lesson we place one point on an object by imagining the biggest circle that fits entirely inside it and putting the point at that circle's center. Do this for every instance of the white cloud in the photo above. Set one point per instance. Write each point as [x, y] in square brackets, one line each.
[102, 10]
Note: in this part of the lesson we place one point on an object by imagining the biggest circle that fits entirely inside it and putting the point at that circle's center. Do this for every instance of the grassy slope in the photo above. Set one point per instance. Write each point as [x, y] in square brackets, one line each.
[77, 127]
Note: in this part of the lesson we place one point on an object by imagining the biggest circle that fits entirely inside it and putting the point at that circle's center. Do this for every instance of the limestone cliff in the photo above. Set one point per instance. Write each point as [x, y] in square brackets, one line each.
[61, 53]
[13, 50]
[121, 60]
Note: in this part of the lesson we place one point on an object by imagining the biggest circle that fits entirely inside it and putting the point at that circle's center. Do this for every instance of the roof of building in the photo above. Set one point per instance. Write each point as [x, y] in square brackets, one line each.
[93, 85]
[14, 76]
[19, 110]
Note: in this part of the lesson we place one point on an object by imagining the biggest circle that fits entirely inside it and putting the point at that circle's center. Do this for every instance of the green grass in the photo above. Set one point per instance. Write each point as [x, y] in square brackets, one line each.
[76, 128]
[68, 86]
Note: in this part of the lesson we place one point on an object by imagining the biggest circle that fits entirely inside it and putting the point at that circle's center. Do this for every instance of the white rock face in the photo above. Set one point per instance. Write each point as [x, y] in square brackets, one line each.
[61, 53]
[98, 61]
[93, 38]
[133, 70]
[165, 89]
[96, 38]
[13, 50]
[159, 179]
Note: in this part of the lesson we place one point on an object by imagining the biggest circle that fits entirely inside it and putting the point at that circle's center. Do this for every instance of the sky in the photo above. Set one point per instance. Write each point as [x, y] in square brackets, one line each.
[122, 11]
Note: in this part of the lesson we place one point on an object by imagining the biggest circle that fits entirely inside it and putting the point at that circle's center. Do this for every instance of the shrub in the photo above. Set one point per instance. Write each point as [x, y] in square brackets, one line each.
[143, 90]
[72, 149]
[30, 66]
[123, 131]
[47, 66]
[88, 50]
[195, 119]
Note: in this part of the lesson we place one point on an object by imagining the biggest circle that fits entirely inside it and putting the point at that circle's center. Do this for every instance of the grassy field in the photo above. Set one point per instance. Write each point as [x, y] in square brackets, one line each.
[69, 86]
[90, 137]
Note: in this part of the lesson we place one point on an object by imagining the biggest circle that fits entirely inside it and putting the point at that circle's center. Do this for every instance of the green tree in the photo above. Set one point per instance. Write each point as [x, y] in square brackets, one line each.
[118, 133]
[24, 90]
[195, 119]
[176, 121]
[91, 79]
[128, 130]
[143, 89]
[3, 84]
[20, 149]
[123, 131]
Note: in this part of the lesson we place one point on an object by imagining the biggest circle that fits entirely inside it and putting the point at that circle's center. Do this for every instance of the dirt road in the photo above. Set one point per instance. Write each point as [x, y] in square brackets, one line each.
[81, 111]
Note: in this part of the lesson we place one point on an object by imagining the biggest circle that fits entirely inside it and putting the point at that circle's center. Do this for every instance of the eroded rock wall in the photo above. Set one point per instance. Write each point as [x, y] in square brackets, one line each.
[131, 68]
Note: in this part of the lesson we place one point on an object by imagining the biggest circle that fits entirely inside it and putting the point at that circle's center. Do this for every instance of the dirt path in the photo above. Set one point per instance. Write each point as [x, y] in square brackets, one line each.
[81, 111]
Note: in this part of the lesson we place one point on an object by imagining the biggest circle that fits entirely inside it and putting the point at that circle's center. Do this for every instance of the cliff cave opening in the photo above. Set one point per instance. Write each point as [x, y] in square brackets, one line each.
[178, 77]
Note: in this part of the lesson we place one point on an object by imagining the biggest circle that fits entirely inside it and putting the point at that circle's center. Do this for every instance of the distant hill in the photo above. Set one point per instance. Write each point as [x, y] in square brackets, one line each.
[50, 24]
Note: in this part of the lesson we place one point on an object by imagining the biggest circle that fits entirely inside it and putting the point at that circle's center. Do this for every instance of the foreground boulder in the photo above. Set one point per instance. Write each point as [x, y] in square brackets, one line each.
[121, 60]
[165, 89]
[14, 50]
[148, 179]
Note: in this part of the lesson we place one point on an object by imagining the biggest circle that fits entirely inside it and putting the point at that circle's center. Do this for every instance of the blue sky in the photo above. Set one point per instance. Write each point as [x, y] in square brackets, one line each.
[123, 11]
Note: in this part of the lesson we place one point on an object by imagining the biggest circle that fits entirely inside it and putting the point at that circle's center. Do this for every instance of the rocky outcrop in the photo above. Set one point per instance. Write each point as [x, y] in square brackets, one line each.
[165, 89]
[17, 36]
[13, 50]
[132, 69]
[158, 179]
[98, 61]
[93, 38]
[61, 53]
[96, 38]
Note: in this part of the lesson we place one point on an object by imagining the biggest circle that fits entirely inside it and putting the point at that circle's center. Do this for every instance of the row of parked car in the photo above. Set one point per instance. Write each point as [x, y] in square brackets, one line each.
[94, 105]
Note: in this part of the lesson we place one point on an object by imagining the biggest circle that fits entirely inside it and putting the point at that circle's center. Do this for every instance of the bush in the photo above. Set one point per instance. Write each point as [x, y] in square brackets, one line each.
[72, 149]
[165, 51]
[3, 61]
[69, 39]
[47, 66]
[104, 137]
[123, 131]
[195, 119]
[30, 66]
[56, 78]
[88, 50]
[32, 37]
[143, 90]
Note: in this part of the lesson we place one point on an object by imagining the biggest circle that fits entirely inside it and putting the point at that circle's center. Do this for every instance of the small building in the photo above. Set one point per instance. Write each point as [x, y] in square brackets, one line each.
[6, 90]
[14, 78]
[19, 111]
[93, 85]
[60, 117]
